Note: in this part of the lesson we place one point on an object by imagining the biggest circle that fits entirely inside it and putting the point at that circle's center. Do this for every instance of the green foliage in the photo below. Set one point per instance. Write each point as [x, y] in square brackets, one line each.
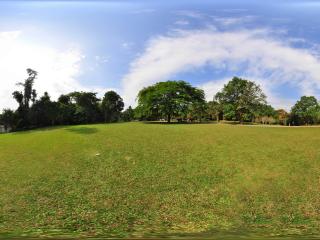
[168, 99]
[8, 119]
[214, 110]
[112, 105]
[265, 114]
[229, 112]
[240, 100]
[44, 112]
[305, 111]
[87, 107]
[66, 110]
[128, 115]
[197, 111]
[245, 97]
[28, 92]
[72, 108]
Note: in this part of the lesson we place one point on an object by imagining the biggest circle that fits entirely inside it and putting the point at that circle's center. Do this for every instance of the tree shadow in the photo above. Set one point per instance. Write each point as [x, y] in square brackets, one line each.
[82, 130]
[178, 123]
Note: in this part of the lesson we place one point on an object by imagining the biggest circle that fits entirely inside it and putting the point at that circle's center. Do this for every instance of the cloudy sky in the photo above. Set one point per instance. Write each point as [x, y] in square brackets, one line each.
[126, 45]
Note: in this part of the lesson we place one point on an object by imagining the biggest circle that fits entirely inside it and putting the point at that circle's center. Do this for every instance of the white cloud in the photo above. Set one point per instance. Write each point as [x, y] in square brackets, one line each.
[182, 22]
[212, 87]
[57, 69]
[271, 61]
[228, 21]
[191, 14]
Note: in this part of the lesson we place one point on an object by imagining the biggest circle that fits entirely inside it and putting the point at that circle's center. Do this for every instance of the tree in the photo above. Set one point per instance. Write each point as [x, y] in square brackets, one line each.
[66, 110]
[305, 111]
[197, 111]
[87, 107]
[229, 112]
[24, 97]
[18, 96]
[128, 114]
[29, 92]
[8, 119]
[112, 105]
[44, 112]
[168, 99]
[214, 109]
[265, 114]
[282, 116]
[245, 96]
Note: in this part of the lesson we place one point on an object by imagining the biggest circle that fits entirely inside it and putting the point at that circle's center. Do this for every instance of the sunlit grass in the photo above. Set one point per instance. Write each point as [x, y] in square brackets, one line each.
[138, 179]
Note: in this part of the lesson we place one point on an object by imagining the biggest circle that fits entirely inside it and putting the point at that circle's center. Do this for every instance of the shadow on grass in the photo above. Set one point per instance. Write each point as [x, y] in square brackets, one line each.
[40, 129]
[177, 123]
[82, 130]
[205, 122]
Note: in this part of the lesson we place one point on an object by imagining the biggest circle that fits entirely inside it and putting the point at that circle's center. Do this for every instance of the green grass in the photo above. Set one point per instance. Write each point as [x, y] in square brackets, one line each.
[151, 179]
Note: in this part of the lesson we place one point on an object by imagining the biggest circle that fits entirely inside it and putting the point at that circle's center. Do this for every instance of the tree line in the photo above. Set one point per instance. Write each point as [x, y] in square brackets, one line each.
[240, 100]
[73, 108]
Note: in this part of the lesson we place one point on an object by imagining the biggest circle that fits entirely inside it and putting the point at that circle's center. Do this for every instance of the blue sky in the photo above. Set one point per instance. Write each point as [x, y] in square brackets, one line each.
[126, 45]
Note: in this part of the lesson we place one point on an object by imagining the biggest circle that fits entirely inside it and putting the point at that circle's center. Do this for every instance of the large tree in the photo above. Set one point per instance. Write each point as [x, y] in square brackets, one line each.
[66, 110]
[305, 111]
[44, 112]
[242, 96]
[28, 92]
[87, 107]
[24, 97]
[112, 105]
[168, 99]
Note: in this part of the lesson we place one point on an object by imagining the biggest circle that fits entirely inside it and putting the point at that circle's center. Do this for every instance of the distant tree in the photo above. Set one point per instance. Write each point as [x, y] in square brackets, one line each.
[168, 99]
[245, 96]
[112, 105]
[214, 110]
[305, 111]
[24, 97]
[18, 96]
[29, 93]
[128, 114]
[197, 111]
[8, 119]
[44, 112]
[265, 114]
[66, 110]
[282, 116]
[87, 107]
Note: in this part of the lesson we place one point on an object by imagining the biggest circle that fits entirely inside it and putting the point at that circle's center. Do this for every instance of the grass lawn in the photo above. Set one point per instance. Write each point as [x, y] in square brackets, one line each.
[136, 179]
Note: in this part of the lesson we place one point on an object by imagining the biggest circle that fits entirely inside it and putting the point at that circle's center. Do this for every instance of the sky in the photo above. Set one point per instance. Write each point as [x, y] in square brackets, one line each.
[127, 45]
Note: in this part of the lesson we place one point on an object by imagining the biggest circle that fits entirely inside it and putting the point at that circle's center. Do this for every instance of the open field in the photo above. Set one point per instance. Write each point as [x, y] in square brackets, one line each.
[136, 179]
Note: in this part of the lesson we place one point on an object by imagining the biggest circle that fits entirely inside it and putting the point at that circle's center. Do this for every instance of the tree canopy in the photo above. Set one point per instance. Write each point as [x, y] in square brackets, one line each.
[169, 99]
[241, 98]
[305, 111]
[112, 105]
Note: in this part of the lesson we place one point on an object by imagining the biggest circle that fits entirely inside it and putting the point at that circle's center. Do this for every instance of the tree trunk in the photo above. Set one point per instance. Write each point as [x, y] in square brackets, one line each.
[169, 118]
